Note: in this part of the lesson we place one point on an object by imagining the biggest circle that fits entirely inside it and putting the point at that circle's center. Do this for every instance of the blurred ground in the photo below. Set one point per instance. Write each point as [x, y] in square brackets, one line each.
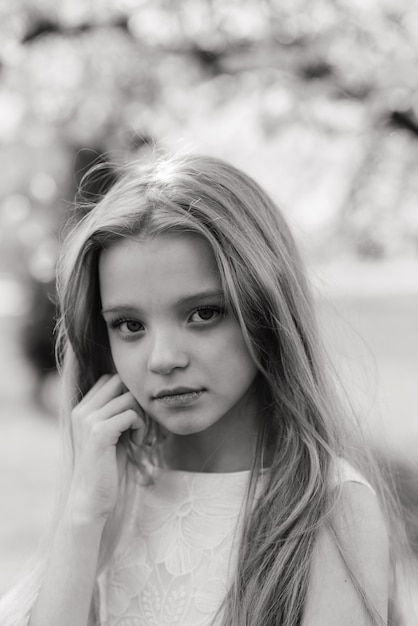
[369, 315]
[28, 458]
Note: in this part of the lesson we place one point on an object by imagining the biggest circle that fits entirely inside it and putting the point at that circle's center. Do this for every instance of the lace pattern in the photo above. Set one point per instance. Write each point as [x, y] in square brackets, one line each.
[174, 560]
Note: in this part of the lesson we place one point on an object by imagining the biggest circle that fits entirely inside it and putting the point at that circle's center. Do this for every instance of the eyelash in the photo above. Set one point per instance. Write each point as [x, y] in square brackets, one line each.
[217, 309]
[117, 323]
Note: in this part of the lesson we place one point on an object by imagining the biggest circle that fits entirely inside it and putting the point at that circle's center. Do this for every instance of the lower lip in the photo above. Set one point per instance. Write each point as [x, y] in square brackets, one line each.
[180, 399]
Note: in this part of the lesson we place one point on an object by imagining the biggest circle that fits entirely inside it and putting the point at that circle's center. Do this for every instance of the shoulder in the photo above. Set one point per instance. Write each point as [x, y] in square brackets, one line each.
[341, 471]
[356, 540]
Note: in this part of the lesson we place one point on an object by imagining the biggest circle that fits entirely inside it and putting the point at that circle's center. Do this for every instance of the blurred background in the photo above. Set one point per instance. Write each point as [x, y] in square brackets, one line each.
[317, 99]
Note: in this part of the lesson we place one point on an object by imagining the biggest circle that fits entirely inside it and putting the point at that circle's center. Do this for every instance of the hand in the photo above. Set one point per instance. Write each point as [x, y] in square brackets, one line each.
[101, 423]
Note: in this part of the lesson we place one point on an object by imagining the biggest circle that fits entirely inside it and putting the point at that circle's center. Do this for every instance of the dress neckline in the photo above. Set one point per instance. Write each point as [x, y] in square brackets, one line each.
[169, 470]
[190, 473]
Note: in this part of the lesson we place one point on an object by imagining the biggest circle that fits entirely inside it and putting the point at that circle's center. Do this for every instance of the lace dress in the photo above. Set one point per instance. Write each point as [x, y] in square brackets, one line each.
[174, 560]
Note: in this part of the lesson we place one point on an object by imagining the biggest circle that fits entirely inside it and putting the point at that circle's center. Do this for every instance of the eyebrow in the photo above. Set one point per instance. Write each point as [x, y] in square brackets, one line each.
[185, 300]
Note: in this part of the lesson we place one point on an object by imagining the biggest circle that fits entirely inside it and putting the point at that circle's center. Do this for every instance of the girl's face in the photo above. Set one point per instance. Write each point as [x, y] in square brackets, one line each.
[175, 347]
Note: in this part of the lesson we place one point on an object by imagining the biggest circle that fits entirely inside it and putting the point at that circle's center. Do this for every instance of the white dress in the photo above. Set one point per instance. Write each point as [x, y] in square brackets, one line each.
[174, 559]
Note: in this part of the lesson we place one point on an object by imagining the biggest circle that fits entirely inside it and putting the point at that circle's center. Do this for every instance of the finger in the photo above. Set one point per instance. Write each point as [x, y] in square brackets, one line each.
[117, 405]
[104, 393]
[122, 453]
[97, 385]
[113, 428]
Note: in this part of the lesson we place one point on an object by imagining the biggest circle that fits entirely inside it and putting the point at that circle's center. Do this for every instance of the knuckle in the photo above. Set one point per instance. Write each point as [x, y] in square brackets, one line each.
[91, 419]
[97, 431]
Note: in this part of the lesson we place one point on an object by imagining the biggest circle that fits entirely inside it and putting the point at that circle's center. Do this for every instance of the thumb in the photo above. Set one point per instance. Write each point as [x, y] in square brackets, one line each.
[122, 453]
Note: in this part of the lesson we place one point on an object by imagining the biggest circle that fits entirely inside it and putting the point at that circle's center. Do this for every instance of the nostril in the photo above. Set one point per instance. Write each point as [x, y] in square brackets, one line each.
[164, 361]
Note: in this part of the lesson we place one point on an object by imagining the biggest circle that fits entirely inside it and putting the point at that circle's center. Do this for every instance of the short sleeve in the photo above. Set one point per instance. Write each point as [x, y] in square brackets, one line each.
[342, 471]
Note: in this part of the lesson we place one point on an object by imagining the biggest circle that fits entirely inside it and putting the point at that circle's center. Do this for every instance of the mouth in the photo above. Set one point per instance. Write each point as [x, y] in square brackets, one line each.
[175, 391]
[178, 397]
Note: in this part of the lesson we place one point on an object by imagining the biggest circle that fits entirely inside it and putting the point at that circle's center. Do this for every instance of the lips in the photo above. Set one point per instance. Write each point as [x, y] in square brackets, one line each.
[178, 398]
[177, 391]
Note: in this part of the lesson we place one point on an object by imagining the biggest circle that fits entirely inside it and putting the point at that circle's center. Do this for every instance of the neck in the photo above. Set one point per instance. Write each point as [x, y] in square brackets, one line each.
[227, 446]
[195, 454]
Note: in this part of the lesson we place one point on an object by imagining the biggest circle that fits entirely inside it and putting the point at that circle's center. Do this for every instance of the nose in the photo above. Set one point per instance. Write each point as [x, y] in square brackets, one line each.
[166, 353]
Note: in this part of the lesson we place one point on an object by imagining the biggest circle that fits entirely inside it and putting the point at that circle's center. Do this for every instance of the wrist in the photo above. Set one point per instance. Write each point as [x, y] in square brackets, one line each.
[79, 519]
[84, 512]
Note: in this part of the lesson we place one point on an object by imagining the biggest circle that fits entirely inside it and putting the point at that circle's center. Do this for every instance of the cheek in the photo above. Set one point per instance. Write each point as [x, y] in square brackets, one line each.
[125, 363]
[234, 363]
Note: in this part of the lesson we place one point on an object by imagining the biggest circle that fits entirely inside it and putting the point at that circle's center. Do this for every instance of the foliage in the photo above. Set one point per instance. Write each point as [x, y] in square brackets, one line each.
[316, 98]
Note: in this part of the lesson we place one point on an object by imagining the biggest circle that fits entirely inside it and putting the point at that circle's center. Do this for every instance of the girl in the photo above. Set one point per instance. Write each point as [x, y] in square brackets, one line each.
[209, 480]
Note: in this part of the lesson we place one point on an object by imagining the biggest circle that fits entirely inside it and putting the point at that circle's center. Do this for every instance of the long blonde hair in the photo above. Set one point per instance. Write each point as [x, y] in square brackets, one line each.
[301, 424]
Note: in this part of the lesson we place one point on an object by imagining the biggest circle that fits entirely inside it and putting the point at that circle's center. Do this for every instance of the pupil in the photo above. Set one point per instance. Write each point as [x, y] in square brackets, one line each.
[133, 326]
[206, 314]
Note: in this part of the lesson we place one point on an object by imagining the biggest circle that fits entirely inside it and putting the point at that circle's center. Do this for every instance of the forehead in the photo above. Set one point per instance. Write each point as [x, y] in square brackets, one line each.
[162, 267]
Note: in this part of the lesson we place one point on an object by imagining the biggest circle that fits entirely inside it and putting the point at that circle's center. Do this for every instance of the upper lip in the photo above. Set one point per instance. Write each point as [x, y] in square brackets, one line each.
[175, 391]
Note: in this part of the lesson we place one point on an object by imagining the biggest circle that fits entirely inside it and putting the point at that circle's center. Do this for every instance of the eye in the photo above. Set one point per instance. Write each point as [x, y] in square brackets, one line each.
[206, 314]
[127, 326]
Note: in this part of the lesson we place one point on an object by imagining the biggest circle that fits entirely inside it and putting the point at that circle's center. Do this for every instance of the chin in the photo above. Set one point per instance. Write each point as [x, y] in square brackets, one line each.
[185, 429]
[185, 425]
